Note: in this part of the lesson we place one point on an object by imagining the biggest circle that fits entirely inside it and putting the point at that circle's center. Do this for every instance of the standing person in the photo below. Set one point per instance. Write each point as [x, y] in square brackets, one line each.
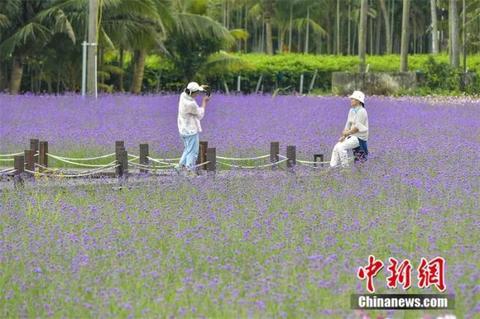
[355, 133]
[188, 120]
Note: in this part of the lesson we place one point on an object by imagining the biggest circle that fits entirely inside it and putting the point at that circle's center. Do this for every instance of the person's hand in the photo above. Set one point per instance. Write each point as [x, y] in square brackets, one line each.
[345, 133]
[341, 139]
[205, 99]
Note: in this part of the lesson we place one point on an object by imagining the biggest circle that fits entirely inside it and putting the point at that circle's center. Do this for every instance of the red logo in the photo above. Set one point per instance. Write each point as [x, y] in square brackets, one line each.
[400, 273]
[370, 271]
[432, 273]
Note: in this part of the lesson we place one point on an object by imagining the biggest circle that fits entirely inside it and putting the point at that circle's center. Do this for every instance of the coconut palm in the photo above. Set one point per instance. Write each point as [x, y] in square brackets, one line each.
[25, 30]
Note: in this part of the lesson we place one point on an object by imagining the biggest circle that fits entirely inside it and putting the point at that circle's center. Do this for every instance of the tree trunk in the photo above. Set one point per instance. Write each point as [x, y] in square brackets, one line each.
[362, 35]
[349, 29]
[433, 11]
[454, 34]
[92, 49]
[268, 31]
[392, 23]
[307, 32]
[137, 80]
[404, 47]
[290, 27]
[120, 77]
[281, 39]
[16, 75]
[378, 26]
[388, 34]
[338, 29]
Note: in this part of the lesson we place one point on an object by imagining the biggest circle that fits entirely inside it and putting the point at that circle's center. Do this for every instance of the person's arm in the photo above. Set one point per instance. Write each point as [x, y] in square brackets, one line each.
[360, 124]
[194, 109]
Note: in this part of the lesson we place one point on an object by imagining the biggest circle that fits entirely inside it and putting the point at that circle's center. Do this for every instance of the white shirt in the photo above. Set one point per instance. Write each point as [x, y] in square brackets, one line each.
[189, 115]
[358, 118]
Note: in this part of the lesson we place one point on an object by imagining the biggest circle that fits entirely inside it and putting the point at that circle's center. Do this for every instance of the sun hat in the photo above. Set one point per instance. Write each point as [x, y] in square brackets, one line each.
[359, 96]
[194, 87]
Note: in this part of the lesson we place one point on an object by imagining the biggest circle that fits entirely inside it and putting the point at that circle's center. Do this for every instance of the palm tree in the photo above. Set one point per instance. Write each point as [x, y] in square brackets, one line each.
[362, 35]
[433, 11]
[25, 29]
[404, 44]
[269, 12]
[388, 34]
[454, 34]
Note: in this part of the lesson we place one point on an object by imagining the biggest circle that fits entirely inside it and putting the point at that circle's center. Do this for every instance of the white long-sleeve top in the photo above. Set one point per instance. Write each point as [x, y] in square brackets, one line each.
[189, 115]
[357, 117]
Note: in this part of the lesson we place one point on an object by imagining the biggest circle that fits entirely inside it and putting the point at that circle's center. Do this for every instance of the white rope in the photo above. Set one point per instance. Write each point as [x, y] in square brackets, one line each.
[7, 171]
[6, 159]
[201, 164]
[10, 155]
[251, 167]
[73, 172]
[159, 162]
[164, 159]
[309, 162]
[134, 157]
[243, 159]
[71, 175]
[148, 166]
[281, 156]
[80, 159]
[80, 164]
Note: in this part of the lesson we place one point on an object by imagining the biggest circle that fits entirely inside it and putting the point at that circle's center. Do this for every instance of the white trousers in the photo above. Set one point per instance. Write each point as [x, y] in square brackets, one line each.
[342, 151]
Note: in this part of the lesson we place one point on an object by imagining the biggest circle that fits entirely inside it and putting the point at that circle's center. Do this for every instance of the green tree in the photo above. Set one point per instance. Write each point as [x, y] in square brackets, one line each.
[25, 30]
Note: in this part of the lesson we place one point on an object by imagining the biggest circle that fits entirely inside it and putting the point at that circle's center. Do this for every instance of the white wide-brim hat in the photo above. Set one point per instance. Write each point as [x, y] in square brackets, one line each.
[358, 95]
[194, 87]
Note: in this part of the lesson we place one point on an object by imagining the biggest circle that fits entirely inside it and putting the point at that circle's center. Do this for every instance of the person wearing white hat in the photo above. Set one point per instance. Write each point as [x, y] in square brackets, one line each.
[355, 134]
[188, 121]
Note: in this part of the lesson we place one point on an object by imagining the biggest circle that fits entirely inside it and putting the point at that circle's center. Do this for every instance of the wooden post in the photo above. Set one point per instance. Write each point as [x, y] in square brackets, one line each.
[34, 147]
[30, 160]
[317, 156]
[119, 144]
[202, 156]
[118, 157]
[291, 156]
[19, 165]
[124, 160]
[274, 151]
[42, 155]
[212, 158]
[143, 157]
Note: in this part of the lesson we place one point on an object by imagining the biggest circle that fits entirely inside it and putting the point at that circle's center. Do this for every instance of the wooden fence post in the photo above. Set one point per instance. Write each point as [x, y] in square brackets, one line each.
[143, 157]
[212, 159]
[19, 165]
[124, 160]
[34, 147]
[42, 155]
[119, 148]
[291, 156]
[274, 151]
[317, 156]
[30, 160]
[202, 156]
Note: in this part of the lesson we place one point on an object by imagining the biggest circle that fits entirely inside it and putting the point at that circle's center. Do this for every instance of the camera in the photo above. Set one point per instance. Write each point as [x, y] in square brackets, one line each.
[207, 91]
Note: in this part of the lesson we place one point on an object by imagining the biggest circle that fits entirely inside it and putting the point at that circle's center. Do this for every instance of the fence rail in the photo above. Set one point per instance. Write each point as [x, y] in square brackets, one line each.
[35, 161]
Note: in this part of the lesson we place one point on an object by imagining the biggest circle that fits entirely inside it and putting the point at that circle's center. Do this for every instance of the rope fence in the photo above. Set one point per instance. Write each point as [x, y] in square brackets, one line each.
[34, 161]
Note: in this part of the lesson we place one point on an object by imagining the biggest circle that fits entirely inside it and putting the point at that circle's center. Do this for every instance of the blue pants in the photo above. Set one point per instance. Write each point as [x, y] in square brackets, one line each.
[190, 152]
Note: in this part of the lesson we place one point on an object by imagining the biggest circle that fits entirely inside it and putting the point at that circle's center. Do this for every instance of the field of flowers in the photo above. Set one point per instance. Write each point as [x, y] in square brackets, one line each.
[265, 245]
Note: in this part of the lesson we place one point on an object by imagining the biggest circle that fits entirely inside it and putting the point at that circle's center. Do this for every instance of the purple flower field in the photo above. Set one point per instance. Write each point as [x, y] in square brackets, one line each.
[265, 245]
